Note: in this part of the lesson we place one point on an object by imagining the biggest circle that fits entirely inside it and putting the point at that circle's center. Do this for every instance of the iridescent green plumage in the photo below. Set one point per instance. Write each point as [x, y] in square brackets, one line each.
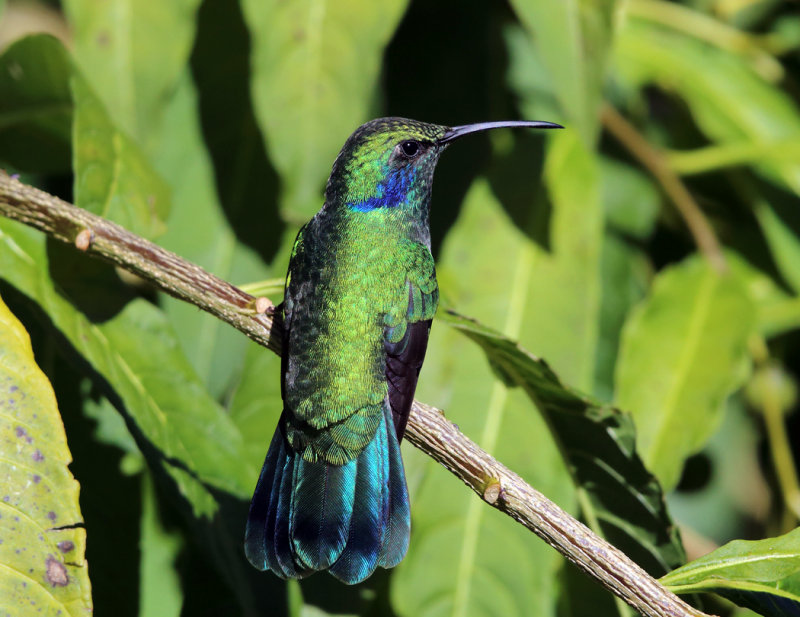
[360, 296]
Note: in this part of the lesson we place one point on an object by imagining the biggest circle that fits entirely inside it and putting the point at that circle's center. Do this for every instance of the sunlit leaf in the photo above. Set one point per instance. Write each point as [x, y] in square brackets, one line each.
[315, 66]
[137, 354]
[42, 540]
[777, 312]
[132, 54]
[161, 594]
[682, 354]
[763, 575]
[572, 39]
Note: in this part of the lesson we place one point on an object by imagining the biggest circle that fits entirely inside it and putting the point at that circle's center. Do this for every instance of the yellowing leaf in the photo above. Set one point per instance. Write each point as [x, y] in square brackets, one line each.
[42, 565]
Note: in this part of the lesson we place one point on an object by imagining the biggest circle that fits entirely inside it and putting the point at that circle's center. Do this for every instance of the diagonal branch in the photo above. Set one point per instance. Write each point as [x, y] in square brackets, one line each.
[427, 429]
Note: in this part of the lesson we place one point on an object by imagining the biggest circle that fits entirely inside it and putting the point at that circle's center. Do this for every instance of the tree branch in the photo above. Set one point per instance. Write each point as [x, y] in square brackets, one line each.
[427, 427]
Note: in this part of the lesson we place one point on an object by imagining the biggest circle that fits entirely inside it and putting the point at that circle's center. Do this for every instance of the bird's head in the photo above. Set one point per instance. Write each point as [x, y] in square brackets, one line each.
[389, 162]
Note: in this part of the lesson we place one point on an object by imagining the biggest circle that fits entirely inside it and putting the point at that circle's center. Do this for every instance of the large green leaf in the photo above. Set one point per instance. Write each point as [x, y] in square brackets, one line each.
[198, 231]
[136, 352]
[572, 39]
[132, 54]
[682, 353]
[763, 575]
[315, 66]
[42, 545]
[465, 558]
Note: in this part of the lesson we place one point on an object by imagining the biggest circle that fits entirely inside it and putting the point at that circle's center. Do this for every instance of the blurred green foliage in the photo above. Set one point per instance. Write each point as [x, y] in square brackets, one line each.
[210, 126]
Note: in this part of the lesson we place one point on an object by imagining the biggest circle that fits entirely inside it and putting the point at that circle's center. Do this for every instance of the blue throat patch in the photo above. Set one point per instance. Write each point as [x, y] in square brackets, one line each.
[390, 192]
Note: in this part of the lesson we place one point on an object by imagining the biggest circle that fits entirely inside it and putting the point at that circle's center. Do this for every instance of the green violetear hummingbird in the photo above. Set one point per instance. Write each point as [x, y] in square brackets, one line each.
[360, 296]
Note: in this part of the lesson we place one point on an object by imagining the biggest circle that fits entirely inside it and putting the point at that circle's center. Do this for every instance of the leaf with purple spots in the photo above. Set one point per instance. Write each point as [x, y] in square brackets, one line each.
[42, 540]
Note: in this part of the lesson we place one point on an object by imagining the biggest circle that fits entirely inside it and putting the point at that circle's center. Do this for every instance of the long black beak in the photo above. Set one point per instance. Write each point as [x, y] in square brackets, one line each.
[459, 131]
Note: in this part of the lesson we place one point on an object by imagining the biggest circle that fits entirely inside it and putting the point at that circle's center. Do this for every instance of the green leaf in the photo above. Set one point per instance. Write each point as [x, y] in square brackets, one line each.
[572, 39]
[200, 232]
[682, 353]
[782, 239]
[619, 498]
[161, 594]
[36, 106]
[132, 54]
[729, 101]
[136, 352]
[42, 564]
[315, 68]
[112, 177]
[777, 312]
[630, 199]
[256, 403]
[489, 268]
[763, 575]
[626, 273]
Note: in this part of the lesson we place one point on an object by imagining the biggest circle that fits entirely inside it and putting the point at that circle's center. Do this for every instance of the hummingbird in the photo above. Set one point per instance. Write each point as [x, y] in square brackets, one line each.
[359, 300]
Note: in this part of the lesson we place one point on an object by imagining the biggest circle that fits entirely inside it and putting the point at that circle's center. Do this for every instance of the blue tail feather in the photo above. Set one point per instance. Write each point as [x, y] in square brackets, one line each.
[322, 505]
[347, 519]
[370, 520]
[398, 533]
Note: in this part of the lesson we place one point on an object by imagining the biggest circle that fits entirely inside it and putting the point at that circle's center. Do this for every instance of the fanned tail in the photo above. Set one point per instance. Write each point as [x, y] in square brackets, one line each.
[346, 519]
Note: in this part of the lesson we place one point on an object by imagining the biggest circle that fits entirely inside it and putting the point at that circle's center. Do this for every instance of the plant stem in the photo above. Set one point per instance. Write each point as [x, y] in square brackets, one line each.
[657, 164]
[427, 427]
[712, 158]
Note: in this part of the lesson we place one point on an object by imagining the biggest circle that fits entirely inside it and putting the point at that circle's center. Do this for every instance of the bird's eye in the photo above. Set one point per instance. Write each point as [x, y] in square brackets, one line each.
[410, 148]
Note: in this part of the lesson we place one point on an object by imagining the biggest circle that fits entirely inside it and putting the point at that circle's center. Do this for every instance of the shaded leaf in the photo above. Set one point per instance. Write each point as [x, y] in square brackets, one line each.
[619, 497]
[626, 274]
[36, 106]
[315, 66]
[42, 563]
[763, 575]
[137, 354]
[682, 353]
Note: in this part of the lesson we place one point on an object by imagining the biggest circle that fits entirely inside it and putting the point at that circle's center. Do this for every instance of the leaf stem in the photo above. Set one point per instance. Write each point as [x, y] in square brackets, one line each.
[658, 165]
[712, 158]
[428, 429]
